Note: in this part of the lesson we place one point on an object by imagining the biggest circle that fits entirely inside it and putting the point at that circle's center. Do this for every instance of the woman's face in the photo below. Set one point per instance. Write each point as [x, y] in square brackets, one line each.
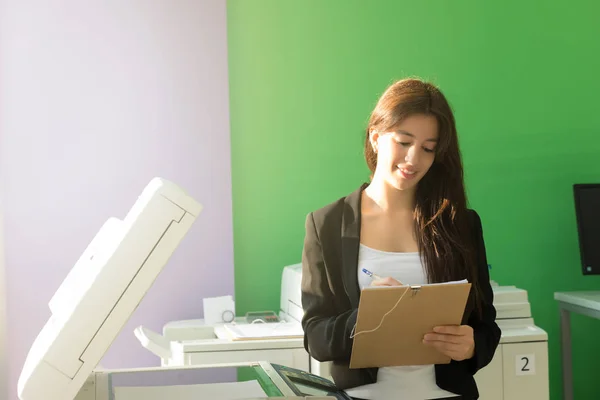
[405, 154]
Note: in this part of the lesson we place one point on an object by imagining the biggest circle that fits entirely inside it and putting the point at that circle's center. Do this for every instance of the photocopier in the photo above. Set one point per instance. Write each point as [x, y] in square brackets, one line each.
[519, 369]
[193, 342]
[97, 298]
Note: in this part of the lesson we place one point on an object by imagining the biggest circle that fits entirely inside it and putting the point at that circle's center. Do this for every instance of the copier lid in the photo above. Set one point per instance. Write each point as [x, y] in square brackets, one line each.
[291, 294]
[103, 289]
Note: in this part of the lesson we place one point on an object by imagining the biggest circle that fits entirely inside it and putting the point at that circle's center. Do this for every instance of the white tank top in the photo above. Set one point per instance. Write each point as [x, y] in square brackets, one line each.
[410, 382]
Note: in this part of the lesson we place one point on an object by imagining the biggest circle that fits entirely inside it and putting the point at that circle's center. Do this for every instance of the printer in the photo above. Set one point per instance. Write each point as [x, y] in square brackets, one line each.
[99, 295]
[193, 342]
[519, 369]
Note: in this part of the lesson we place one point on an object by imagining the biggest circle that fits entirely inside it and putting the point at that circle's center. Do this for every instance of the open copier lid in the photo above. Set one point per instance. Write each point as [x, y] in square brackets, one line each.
[103, 289]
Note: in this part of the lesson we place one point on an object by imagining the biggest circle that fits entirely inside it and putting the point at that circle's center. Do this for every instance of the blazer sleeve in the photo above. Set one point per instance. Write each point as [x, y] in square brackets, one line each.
[327, 331]
[486, 331]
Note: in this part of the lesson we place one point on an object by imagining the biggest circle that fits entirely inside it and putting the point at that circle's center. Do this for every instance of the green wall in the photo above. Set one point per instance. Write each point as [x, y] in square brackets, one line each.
[523, 80]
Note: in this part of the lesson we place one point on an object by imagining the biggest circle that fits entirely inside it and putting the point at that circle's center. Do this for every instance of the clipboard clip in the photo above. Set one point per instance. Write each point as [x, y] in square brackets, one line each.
[414, 289]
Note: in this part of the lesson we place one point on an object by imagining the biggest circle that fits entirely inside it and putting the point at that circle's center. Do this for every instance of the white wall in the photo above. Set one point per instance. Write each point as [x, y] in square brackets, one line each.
[96, 98]
[3, 356]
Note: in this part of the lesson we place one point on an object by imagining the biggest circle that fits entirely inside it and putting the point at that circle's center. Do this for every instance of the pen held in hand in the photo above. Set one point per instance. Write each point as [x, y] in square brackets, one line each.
[380, 281]
[372, 275]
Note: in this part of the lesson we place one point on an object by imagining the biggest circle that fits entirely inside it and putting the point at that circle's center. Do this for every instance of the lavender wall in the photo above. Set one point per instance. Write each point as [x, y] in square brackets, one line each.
[3, 356]
[97, 98]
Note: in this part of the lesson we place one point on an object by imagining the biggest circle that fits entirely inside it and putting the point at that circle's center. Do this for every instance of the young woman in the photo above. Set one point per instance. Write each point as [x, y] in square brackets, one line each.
[410, 224]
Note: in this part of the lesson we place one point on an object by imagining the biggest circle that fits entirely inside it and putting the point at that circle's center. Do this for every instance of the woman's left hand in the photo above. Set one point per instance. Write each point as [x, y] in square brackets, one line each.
[456, 342]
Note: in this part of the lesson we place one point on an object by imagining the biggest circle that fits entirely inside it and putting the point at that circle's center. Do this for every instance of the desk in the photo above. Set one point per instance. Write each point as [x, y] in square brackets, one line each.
[585, 303]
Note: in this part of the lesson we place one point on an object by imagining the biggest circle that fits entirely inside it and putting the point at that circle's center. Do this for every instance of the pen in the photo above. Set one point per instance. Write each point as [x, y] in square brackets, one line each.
[372, 275]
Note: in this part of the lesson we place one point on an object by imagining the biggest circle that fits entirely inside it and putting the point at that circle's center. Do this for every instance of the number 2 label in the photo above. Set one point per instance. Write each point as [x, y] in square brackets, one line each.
[525, 364]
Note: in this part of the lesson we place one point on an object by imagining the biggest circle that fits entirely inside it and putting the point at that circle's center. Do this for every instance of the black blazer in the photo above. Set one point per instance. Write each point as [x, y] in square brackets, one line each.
[330, 297]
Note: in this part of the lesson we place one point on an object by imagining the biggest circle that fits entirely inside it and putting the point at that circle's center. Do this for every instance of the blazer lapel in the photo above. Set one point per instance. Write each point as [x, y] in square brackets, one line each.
[350, 244]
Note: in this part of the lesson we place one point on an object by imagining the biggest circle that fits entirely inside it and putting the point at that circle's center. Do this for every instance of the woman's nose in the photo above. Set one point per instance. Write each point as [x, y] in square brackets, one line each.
[411, 155]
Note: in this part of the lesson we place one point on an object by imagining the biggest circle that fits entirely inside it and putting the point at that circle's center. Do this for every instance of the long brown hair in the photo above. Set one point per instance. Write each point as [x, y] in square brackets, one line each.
[445, 241]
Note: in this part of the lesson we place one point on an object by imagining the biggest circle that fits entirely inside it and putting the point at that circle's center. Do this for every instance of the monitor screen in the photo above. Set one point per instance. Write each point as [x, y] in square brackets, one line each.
[311, 389]
[587, 208]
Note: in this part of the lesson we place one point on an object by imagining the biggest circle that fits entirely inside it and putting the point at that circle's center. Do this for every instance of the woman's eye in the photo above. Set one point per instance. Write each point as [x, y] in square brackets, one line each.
[428, 150]
[404, 144]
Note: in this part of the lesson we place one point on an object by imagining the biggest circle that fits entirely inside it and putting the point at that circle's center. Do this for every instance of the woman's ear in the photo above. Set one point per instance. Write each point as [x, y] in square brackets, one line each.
[373, 137]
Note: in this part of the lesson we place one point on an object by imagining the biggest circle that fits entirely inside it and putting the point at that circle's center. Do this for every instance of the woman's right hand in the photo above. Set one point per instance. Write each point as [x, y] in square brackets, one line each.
[387, 281]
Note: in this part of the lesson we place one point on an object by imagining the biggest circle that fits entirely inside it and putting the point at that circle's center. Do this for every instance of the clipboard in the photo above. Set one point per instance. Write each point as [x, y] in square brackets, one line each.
[412, 311]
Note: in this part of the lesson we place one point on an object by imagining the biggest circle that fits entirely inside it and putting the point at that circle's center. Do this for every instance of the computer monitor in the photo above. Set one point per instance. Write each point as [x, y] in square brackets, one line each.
[587, 210]
[103, 289]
